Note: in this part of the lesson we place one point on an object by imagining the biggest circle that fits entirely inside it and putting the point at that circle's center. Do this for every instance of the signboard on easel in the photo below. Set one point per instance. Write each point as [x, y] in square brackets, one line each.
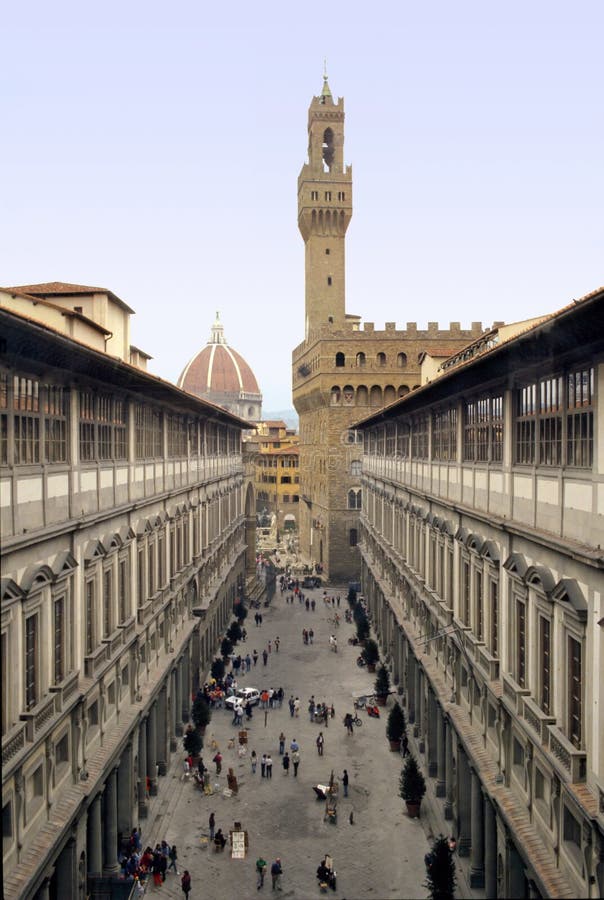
[238, 845]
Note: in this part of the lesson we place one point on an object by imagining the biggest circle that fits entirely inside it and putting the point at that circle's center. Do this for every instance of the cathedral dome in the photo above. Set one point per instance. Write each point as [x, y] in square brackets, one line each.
[220, 374]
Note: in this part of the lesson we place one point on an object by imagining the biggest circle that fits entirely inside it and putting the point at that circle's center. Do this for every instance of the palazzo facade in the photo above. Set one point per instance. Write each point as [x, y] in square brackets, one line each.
[126, 523]
[342, 367]
[482, 536]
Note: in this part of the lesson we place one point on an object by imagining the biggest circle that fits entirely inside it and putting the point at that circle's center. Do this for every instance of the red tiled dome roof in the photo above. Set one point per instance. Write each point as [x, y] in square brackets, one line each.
[218, 369]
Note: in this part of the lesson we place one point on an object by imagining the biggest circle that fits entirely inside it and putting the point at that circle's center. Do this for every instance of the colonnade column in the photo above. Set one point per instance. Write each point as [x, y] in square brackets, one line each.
[440, 753]
[463, 802]
[178, 700]
[172, 716]
[420, 704]
[448, 769]
[124, 792]
[66, 871]
[418, 697]
[432, 733]
[110, 863]
[411, 687]
[162, 731]
[152, 749]
[490, 849]
[477, 855]
[142, 769]
[94, 838]
[186, 686]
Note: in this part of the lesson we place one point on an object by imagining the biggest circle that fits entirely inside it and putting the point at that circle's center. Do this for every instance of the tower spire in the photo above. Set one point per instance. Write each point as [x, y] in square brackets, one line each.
[217, 336]
[325, 93]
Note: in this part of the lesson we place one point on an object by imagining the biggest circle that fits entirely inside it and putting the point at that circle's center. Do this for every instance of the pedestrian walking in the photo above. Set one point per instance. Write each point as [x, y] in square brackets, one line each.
[294, 746]
[263, 765]
[276, 873]
[297, 707]
[320, 743]
[405, 745]
[255, 656]
[345, 782]
[218, 760]
[307, 604]
[304, 636]
[260, 871]
[248, 662]
[277, 642]
[348, 723]
[312, 605]
[173, 856]
[338, 600]
[264, 656]
[311, 708]
[291, 705]
[212, 824]
[270, 648]
[296, 762]
[281, 744]
[269, 766]
[286, 764]
[311, 635]
[185, 883]
[253, 761]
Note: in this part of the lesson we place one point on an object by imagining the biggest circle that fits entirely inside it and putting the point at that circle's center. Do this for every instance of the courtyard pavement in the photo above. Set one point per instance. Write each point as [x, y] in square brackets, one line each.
[378, 852]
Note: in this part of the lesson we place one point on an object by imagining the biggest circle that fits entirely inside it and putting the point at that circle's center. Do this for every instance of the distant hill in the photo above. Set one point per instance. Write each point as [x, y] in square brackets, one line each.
[289, 416]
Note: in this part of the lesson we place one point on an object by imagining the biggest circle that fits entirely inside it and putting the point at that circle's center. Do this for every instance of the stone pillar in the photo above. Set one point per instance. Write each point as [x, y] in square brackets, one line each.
[66, 871]
[152, 749]
[94, 838]
[440, 753]
[143, 807]
[463, 802]
[186, 686]
[172, 711]
[110, 863]
[420, 705]
[411, 686]
[162, 731]
[178, 700]
[432, 730]
[490, 850]
[448, 769]
[477, 832]
[124, 792]
[418, 694]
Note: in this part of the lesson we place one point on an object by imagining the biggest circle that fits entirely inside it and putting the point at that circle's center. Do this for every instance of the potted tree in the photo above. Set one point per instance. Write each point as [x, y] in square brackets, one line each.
[193, 743]
[201, 713]
[370, 654]
[412, 787]
[234, 632]
[352, 596]
[226, 647]
[440, 870]
[240, 611]
[217, 669]
[396, 726]
[382, 685]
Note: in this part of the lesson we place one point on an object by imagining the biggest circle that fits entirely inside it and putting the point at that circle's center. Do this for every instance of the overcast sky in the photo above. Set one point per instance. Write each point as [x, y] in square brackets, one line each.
[154, 149]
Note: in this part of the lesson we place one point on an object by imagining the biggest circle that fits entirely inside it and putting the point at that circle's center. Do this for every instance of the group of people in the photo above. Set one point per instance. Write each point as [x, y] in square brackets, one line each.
[320, 712]
[276, 872]
[137, 865]
[307, 635]
[266, 760]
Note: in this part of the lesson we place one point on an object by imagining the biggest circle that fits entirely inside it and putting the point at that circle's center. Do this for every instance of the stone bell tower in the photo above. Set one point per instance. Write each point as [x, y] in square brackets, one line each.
[324, 211]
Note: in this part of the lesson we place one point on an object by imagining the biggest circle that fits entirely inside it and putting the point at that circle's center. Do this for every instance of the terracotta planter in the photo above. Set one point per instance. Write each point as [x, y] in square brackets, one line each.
[413, 808]
[395, 746]
[371, 667]
[381, 701]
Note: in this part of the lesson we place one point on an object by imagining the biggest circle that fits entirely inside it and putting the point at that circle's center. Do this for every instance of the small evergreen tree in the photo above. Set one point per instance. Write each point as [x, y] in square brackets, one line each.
[240, 612]
[440, 870]
[217, 669]
[412, 784]
[193, 741]
[382, 682]
[201, 712]
[396, 725]
[362, 629]
[370, 652]
[234, 632]
[352, 596]
[226, 647]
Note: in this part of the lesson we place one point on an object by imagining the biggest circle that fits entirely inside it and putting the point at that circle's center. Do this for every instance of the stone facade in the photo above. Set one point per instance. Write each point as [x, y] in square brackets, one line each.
[342, 368]
[481, 541]
[126, 523]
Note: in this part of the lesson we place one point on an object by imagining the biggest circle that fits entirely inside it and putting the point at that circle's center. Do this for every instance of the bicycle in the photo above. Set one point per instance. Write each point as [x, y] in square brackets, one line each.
[356, 721]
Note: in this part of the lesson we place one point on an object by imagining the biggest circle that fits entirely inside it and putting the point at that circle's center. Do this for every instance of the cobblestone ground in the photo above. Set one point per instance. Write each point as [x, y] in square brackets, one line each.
[378, 851]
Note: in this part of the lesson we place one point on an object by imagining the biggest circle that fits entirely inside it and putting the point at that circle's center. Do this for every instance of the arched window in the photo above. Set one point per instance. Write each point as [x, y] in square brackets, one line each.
[381, 359]
[360, 359]
[355, 467]
[401, 360]
[353, 537]
[403, 389]
[354, 499]
[335, 396]
[340, 360]
[328, 148]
